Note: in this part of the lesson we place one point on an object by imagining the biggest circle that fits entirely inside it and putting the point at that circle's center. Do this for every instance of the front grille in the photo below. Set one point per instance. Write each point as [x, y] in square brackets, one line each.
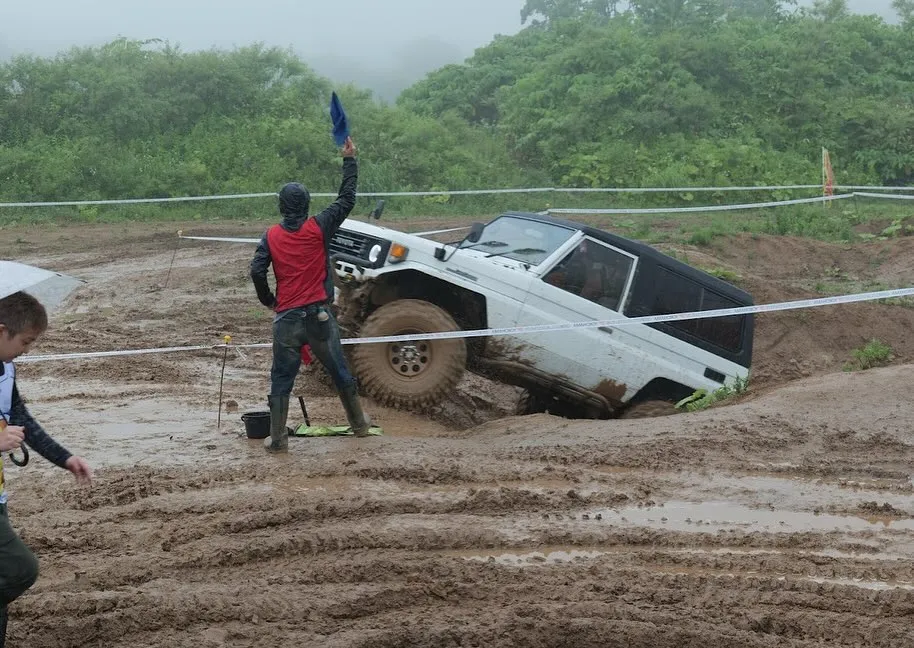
[354, 245]
[351, 243]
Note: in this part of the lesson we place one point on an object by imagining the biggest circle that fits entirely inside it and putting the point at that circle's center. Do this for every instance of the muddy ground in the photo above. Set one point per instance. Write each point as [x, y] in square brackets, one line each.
[785, 519]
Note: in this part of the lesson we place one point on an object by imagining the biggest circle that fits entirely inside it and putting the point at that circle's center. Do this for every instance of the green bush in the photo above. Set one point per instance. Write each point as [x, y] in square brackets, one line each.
[874, 353]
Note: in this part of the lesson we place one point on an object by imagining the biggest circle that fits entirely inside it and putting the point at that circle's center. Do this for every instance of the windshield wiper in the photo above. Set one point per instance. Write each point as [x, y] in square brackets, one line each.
[523, 251]
[486, 244]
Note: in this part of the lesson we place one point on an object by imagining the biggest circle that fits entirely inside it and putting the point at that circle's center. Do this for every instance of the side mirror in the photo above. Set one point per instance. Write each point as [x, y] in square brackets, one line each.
[377, 211]
[476, 231]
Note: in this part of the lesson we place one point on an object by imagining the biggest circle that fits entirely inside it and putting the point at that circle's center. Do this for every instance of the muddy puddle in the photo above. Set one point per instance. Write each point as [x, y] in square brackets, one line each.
[811, 493]
[147, 431]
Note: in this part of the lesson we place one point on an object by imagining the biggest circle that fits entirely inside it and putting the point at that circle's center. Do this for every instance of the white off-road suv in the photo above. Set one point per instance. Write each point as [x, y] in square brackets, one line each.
[528, 269]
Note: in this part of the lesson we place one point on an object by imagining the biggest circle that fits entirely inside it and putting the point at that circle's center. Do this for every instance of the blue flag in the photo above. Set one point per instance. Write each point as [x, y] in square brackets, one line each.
[338, 117]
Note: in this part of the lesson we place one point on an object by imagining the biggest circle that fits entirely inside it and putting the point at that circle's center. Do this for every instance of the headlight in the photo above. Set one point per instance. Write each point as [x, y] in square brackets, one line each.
[374, 253]
[398, 253]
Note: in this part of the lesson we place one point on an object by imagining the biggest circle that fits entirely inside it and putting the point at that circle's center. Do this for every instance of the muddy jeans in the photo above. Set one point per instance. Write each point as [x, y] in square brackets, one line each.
[313, 325]
[18, 568]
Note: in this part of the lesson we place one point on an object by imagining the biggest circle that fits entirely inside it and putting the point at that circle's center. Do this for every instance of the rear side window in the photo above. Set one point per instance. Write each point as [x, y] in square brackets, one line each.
[595, 272]
[677, 294]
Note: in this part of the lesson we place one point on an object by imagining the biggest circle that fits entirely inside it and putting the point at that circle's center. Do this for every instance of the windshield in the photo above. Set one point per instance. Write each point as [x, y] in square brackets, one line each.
[523, 240]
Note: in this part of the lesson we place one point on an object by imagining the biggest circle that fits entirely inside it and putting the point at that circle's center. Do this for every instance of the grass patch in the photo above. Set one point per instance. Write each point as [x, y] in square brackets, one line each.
[703, 399]
[703, 236]
[899, 227]
[874, 353]
[722, 273]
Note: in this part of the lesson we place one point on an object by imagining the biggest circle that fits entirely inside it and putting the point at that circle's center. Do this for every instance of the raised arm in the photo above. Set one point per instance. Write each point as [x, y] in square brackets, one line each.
[331, 218]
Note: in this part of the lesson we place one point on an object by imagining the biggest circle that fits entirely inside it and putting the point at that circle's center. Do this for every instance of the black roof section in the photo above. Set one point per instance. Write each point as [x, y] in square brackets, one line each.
[643, 250]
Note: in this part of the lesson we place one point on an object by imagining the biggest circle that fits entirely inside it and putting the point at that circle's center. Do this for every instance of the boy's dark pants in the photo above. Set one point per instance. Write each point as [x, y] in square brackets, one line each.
[18, 568]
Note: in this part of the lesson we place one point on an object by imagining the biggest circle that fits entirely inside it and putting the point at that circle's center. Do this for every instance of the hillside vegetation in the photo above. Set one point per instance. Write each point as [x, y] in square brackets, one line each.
[664, 93]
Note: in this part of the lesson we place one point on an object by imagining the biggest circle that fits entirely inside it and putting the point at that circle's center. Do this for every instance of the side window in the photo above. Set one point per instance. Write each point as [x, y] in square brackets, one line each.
[676, 294]
[595, 272]
[726, 332]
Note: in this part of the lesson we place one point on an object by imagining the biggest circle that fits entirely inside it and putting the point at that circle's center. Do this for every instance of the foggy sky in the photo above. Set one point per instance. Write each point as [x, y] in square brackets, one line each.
[377, 43]
[368, 29]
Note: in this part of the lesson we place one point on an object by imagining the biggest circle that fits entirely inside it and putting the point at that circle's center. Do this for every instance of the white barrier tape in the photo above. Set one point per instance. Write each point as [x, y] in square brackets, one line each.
[134, 201]
[647, 319]
[524, 330]
[469, 192]
[887, 196]
[653, 210]
[707, 208]
[683, 189]
[223, 239]
[369, 194]
[227, 239]
[872, 188]
[113, 354]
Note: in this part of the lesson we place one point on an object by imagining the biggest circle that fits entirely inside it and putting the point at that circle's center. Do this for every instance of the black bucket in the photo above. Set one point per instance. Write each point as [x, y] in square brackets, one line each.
[256, 424]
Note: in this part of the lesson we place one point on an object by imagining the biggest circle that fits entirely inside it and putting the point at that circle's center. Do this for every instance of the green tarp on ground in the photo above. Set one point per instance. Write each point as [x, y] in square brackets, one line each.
[330, 430]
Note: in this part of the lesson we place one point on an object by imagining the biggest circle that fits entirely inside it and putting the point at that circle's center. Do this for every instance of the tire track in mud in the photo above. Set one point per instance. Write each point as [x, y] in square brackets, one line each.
[225, 559]
[452, 601]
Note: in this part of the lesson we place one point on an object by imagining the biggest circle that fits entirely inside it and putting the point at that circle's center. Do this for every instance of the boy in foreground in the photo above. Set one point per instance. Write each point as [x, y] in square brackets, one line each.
[22, 320]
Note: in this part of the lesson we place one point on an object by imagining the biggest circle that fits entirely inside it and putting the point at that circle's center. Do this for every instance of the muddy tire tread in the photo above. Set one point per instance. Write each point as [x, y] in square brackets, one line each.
[383, 321]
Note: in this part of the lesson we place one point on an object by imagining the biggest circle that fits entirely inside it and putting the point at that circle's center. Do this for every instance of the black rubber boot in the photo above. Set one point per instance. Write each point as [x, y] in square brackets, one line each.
[279, 435]
[359, 422]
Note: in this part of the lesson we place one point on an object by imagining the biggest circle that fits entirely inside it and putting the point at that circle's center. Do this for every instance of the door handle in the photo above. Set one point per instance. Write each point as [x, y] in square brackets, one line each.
[606, 329]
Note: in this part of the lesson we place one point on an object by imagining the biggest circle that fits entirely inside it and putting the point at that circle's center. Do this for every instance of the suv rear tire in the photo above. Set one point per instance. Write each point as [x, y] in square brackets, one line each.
[649, 409]
[412, 374]
[530, 403]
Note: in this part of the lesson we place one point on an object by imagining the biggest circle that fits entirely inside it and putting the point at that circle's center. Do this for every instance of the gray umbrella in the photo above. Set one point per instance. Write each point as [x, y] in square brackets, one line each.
[48, 287]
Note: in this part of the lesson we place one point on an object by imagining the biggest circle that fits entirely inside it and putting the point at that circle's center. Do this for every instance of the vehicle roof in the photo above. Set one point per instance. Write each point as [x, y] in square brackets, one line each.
[642, 250]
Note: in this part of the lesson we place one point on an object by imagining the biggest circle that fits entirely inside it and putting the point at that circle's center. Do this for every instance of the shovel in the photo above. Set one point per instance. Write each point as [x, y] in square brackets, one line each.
[304, 411]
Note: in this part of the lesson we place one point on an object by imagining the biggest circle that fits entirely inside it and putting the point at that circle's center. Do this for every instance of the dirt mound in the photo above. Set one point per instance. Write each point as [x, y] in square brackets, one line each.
[802, 343]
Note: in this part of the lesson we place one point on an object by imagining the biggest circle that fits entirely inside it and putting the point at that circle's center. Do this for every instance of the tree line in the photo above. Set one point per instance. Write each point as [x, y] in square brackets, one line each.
[589, 93]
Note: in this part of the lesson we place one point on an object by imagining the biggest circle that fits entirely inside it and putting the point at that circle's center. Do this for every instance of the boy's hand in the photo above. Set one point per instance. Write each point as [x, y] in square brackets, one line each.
[349, 148]
[11, 437]
[80, 469]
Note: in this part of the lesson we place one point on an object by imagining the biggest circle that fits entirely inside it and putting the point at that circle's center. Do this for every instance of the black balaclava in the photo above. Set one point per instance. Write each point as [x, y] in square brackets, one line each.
[294, 201]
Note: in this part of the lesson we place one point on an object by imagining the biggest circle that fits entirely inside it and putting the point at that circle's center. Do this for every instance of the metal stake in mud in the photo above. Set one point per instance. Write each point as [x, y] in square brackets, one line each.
[25, 451]
[228, 340]
[173, 255]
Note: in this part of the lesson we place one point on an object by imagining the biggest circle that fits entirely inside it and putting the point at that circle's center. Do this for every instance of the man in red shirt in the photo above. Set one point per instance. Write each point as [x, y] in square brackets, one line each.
[298, 250]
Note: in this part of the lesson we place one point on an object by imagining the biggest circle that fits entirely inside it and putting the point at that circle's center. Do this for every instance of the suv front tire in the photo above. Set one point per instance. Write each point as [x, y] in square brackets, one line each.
[412, 374]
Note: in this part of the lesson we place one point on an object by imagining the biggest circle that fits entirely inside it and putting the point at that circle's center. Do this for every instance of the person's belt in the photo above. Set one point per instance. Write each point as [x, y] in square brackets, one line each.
[311, 306]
